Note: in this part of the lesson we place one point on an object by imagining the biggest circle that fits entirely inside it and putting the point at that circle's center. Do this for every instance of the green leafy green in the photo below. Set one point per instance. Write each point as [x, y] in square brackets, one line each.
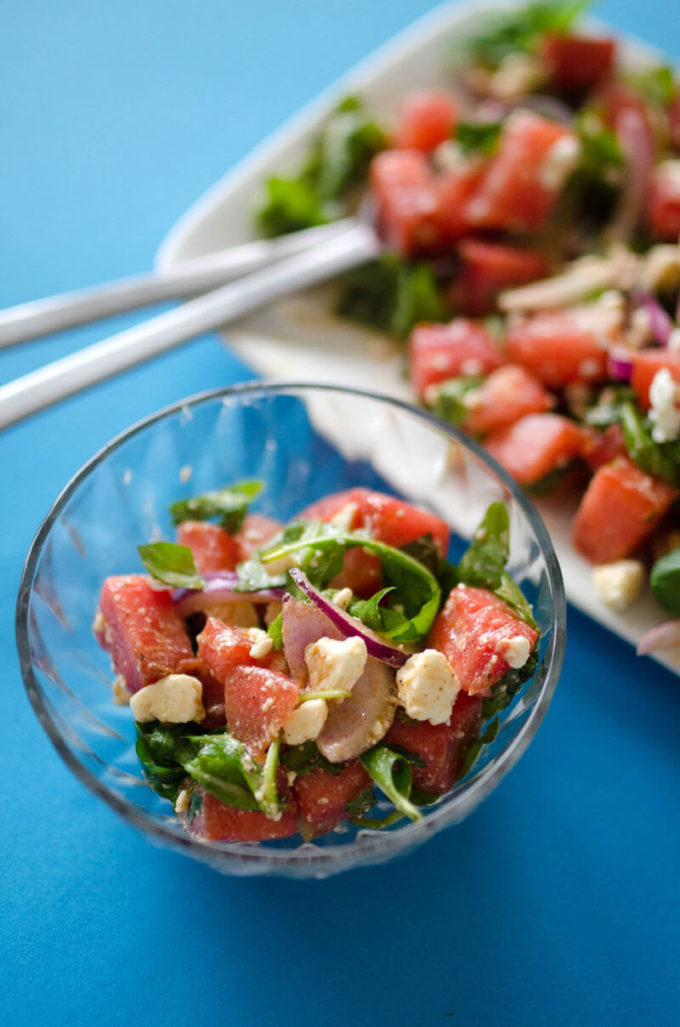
[661, 460]
[171, 564]
[291, 205]
[219, 763]
[319, 551]
[502, 33]
[339, 160]
[475, 747]
[363, 802]
[657, 85]
[509, 685]
[275, 632]
[665, 581]
[449, 401]
[392, 296]
[302, 758]
[479, 136]
[253, 577]
[229, 504]
[392, 774]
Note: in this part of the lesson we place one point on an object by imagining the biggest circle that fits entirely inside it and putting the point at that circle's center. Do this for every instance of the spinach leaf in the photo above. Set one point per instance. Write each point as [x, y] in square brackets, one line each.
[229, 504]
[171, 564]
[503, 33]
[479, 136]
[392, 296]
[392, 774]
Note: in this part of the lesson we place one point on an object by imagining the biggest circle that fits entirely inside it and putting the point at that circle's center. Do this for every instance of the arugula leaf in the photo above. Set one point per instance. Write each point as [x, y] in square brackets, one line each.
[172, 564]
[360, 805]
[368, 610]
[223, 767]
[661, 460]
[657, 85]
[507, 32]
[392, 774]
[253, 577]
[506, 689]
[275, 632]
[484, 561]
[159, 748]
[302, 758]
[345, 150]
[230, 504]
[665, 581]
[449, 403]
[479, 136]
[475, 747]
[291, 205]
[392, 296]
[414, 601]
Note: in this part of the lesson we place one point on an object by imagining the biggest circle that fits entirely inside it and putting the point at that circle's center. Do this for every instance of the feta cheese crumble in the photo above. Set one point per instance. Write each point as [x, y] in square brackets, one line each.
[618, 584]
[517, 651]
[305, 722]
[175, 699]
[427, 687]
[664, 397]
[334, 663]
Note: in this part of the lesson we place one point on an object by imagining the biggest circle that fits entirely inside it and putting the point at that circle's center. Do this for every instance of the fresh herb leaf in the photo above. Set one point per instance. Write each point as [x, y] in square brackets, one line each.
[291, 205]
[253, 577]
[363, 802]
[479, 136]
[229, 504]
[661, 460]
[413, 604]
[368, 610]
[475, 748]
[484, 561]
[392, 774]
[275, 632]
[341, 159]
[503, 33]
[171, 564]
[266, 794]
[665, 581]
[507, 688]
[656, 85]
[300, 759]
[223, 766]
[160, 749]
[449, 402]
[392, 296]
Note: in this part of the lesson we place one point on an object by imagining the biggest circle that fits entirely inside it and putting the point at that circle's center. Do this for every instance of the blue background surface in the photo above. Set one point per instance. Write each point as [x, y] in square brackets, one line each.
[557, 901]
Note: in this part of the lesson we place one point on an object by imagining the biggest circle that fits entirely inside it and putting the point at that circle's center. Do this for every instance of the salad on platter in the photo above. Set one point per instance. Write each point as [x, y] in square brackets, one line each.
[336, 669]
[531, 218]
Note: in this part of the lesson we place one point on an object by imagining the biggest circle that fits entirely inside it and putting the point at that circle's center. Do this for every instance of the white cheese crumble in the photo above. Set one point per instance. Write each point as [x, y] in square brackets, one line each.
[618, 584]
[262, 643]
[183, 801]
[559, 162]
[175, 699]
[121, 695]
[664, 397]
[305, 722]
[343, 598]
[517, 651]
[334, 663]
[427, 687]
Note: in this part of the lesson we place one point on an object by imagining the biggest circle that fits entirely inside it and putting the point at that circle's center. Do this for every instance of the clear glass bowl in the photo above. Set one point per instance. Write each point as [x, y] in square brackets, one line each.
[303, 441]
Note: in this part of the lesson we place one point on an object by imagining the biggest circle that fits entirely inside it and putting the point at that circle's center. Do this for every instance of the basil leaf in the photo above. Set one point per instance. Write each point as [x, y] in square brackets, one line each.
[172, 564]
[479, 136]
[230, 504]
[484, 561]
[392, 774]
[665, 581]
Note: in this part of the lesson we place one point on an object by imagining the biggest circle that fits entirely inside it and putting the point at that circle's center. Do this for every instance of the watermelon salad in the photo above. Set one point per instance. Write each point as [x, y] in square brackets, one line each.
[530, 213]
[336, 669]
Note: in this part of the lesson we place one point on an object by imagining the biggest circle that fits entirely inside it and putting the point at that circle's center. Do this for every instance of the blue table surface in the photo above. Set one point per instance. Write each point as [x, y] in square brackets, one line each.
[556, 902]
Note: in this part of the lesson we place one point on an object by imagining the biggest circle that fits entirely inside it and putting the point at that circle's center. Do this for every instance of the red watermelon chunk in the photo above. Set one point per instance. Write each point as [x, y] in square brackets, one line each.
[217, 822]
[441, 351]
[212, 547]
[142, 631]
[474, 631]
[322, 797]
[536, 445]
[443, 747]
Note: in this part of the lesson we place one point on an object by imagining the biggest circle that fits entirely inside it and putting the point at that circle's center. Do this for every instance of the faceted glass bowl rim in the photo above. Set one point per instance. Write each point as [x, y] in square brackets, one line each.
[365, 849]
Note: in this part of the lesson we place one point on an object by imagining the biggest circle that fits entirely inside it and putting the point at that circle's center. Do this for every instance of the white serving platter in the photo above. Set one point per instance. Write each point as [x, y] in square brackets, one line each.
[299, 338]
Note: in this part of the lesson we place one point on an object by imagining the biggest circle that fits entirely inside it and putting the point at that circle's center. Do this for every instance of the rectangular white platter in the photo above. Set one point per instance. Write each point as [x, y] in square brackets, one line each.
[299, 338]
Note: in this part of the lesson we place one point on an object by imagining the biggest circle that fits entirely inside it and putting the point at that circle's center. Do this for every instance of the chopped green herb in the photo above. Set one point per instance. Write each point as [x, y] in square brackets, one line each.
[507, 32]
[229, 504]
[392, 296]
[479, 136]
[171, 564]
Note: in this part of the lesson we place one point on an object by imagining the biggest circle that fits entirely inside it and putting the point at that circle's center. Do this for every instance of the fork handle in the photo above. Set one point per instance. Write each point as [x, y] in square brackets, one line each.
[62, 378]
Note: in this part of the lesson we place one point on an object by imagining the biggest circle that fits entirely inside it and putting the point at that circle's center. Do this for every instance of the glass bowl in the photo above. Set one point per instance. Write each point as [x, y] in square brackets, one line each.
[303, 441]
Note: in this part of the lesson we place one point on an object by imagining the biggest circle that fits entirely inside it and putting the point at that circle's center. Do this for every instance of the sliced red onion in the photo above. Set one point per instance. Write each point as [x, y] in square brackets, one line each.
[638, 150]
[619, 364]
[659, 321]
[358, 722]
[661, 636]
[220, 587]
[348, 625]
[302, 624]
